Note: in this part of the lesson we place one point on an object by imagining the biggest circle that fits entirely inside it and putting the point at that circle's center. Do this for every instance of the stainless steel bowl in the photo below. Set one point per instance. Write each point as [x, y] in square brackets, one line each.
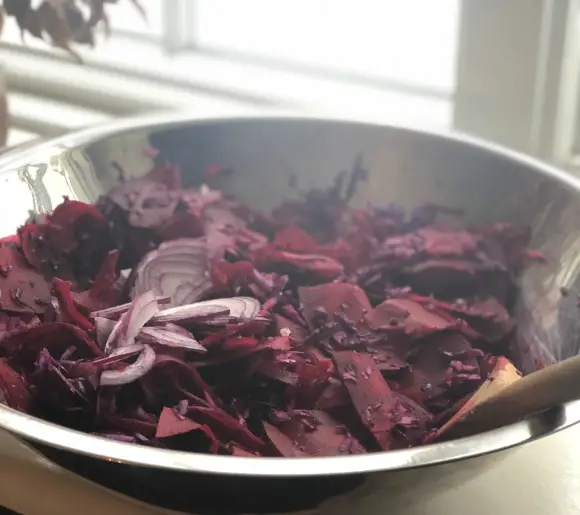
[407, 166]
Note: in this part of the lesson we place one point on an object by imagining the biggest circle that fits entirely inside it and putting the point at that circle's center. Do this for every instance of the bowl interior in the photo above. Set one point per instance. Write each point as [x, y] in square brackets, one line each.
[404, 166]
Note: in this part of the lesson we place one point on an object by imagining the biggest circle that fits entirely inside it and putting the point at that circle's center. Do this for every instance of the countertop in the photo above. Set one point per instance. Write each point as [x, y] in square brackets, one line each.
[541, 477]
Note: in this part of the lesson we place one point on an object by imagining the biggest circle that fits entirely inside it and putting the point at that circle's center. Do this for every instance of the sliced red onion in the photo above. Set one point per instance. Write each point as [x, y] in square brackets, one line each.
[235, 307]
[170, 338]
[177, 329]
[103, 329]
[198, 312]
[119, 354]
[132, 372]
[142, 309]
[218, 321]
[233, 320]
[240, 307]
[115, 334]
[127, 349]
[116, 311]
[177, 268]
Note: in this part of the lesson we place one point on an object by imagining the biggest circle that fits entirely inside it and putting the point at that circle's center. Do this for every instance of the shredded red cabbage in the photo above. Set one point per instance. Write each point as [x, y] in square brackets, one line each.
[183, 319]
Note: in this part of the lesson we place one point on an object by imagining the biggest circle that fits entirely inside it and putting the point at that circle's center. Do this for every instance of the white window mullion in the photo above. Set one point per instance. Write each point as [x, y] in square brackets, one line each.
[179, 25]
[569, 141]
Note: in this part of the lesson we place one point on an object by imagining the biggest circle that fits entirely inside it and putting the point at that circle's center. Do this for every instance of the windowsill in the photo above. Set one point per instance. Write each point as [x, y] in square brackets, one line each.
[288, 89]
[50, 117]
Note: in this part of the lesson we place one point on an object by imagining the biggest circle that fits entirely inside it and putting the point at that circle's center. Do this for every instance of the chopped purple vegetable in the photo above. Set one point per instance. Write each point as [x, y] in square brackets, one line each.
[183, 319]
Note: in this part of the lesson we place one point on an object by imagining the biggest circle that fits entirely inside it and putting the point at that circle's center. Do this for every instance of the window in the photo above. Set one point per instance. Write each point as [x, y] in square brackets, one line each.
[374, 60]
[411, 41]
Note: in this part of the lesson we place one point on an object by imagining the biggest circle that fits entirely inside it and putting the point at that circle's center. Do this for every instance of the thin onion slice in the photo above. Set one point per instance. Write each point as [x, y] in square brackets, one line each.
[233, 320]
[240, 307]
[115, 334]
[128, 349]
[245, 308]
[170, 338]
[119, 354]
[115, 312]
[191, 313]
[103, 329]
[177, 268]
[177, 329]
[132, 372]
[142, 309]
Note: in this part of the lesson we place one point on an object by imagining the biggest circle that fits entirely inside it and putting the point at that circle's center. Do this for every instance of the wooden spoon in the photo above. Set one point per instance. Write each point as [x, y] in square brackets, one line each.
[506, 397]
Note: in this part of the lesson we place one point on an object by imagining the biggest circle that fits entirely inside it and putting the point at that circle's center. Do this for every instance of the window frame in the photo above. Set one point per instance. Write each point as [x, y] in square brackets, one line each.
[518, 75]
[549, 80]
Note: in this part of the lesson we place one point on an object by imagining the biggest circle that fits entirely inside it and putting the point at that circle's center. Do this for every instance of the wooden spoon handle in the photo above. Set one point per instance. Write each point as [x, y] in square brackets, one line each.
[536, 392]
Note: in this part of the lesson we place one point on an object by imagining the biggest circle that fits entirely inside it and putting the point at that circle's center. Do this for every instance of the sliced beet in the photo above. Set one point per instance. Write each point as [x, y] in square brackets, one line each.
[227, 428]
[318, 434]
[441, 365]
[23, 289]
[314, 268]
[103, 292]
[332, 298]
[173, 424]
[282, 443]
[13, 389]
[25, 345]
[416, 320]
[379, 408]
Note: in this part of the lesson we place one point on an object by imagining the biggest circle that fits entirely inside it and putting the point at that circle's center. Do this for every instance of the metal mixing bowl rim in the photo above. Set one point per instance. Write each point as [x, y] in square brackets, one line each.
[46, 433]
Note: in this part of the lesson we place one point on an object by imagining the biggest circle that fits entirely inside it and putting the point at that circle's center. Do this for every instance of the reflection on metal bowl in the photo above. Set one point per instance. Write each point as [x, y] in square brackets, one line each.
[405, 165]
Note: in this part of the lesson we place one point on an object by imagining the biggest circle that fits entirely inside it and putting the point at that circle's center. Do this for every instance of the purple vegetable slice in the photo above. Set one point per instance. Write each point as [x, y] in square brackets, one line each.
[198, 312]
[25, 346]
[178, 269]
[317, 434]
[245, 308]
[119, 354]
[143, 308]
[102, 293]
[344, 299]
[380, 409]
[284, 445]
[131, 373]
[416, 320]
[172, 424]
[103, 329]
[13, 389]
[24, 290]
[177, 329]
[115, 312]
[170, 338]
[441, 365]
[226, 427]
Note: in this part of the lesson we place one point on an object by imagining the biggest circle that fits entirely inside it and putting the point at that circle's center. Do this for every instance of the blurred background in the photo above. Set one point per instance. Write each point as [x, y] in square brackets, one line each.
[506, 70]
